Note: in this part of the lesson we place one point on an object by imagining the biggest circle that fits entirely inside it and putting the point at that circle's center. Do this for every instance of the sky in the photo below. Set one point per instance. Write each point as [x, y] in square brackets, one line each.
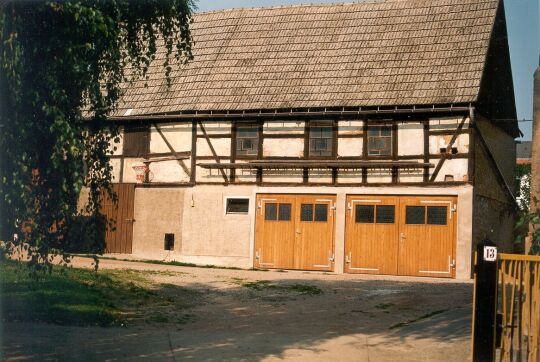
[523, 24]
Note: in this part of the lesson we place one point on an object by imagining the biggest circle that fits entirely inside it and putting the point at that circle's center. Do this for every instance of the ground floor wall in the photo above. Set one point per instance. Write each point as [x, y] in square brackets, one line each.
[205, 234]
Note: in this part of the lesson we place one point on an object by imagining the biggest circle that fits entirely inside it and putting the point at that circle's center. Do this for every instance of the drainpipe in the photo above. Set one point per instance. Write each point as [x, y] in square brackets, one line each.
[535, 161]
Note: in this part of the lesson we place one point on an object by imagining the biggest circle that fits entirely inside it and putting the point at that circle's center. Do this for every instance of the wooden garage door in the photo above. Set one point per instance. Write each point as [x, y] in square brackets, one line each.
[427, 234]
[407, 235]
[120, 238]
[372, 233]
[295, 232]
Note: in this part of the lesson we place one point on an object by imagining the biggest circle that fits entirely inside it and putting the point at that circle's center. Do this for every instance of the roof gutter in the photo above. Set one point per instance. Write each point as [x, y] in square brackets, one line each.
[303, 113]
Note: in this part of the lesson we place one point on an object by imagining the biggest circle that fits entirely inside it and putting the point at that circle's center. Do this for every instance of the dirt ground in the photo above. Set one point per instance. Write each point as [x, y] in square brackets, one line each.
[241, 315]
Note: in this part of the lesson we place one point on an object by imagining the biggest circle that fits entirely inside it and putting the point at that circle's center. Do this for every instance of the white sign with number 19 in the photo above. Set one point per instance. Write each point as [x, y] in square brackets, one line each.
[490, 253]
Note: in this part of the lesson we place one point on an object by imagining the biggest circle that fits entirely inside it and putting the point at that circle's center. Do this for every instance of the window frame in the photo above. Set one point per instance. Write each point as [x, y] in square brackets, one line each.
[226, 203]
[257, 126]
[392, 137]
[333, 138]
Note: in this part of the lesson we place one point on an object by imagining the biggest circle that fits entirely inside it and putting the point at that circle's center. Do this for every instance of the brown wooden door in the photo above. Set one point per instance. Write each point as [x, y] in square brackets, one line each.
[426, 236]
[295, 232]
[119, 239]
[371, 234]
[314, 232]
[274, 232]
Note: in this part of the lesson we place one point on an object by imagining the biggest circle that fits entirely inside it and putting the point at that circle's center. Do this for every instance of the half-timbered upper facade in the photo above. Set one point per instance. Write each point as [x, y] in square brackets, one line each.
[371, 137]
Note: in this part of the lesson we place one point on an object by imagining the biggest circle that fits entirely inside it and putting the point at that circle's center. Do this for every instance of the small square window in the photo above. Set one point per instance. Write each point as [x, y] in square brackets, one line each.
[320, 139]
[321, 212]
[385, 214]
[270, 211]
[247, 139]
[284, 212]
[379, 140]
[237, 205]
[436, 215]
[306, 212]
[365, 214]
[415, 215]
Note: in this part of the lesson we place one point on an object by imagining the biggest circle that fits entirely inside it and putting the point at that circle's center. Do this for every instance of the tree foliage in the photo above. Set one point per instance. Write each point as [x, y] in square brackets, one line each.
[63, 65]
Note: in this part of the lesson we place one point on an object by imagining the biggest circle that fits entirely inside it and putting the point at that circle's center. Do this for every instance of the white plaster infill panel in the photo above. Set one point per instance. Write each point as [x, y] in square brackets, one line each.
[282, 127]
[222, 146]
[410, 138]
[350, 146]
[167, 171]
[352, 127]
[283, 147]
[178, 135]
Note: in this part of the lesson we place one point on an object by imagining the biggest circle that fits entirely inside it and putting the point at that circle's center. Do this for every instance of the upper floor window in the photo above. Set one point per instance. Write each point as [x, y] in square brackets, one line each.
[379, 140]
[136, 141]
[247, 139]
[321, 139]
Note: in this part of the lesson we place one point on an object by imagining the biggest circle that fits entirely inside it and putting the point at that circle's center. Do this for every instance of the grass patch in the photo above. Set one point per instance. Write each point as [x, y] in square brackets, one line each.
[384, 306]
[422, 317]
[303, 289]
[162, 262]
[71, 296]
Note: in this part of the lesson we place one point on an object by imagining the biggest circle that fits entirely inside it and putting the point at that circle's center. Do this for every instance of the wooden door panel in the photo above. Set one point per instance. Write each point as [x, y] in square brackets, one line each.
[275, 232]
[314, 245]
[371, 234]
[427, 234]
[119, 239]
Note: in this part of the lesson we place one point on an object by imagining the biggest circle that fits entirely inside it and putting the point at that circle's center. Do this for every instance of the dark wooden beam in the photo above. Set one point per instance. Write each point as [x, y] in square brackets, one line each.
[178, 157]
[426, 149]
[449, 146]
[213, 151]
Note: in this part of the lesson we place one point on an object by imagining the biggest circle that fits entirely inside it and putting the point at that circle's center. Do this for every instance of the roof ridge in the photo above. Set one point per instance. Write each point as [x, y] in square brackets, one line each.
[303, 5]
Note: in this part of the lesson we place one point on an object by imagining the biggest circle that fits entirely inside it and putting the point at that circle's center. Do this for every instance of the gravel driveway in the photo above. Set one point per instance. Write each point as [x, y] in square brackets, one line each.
[257, 315]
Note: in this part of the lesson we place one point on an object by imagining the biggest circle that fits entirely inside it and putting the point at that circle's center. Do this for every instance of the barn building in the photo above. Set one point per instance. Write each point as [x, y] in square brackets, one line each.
[372, 137]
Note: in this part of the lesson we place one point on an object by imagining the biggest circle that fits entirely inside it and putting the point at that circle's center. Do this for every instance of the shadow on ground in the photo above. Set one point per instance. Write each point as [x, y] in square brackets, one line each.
[294, 318]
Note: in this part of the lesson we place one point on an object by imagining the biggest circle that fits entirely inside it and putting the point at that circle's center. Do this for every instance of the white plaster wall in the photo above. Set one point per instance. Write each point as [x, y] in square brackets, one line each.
[294, 176]
[457, 167]
[245, 175]
[350, 147]
[168, 171]
[294, 127]
[178, 135]
[350, 127]
[447, 123]
[222, 146]
[320, 176]
[410, 138]
[349, 176]
[283, 147]
[116, 165]
[129, 173]
[213, 127]
[157, 211]
[379, 176]
[211, 175]
[411, 175]
[209, 236]
[436, 142]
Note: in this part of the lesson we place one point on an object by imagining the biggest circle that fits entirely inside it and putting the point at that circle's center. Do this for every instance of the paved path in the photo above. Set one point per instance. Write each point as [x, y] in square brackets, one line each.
[356, 318]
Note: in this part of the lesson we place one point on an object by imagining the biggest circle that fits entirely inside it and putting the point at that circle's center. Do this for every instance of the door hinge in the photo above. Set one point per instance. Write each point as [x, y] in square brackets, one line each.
[348, 258]
[453, 263]
[331, 258]
[257, 255]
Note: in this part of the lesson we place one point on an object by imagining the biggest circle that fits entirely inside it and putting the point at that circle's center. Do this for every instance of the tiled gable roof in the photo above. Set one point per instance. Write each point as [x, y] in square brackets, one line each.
[385, 53]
